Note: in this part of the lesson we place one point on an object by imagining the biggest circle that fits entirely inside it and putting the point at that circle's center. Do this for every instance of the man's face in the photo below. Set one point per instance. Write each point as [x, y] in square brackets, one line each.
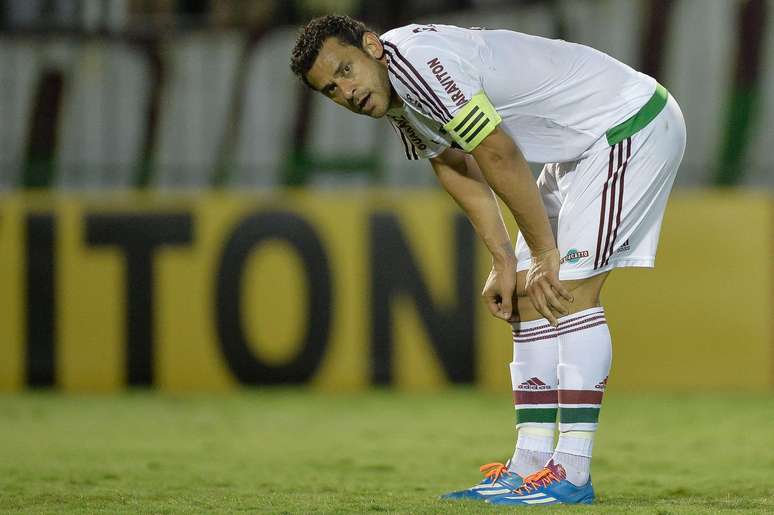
[353, 77]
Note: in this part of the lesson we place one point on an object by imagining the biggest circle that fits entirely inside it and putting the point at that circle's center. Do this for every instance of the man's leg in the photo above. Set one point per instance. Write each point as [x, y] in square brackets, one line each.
[583, 362]
[535, 397]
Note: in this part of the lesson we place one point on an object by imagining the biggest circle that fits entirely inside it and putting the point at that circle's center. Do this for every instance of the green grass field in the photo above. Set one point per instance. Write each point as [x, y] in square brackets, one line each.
[294, 452]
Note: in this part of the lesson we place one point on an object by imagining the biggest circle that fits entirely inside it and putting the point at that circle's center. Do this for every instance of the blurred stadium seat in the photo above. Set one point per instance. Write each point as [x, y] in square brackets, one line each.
[127, 93]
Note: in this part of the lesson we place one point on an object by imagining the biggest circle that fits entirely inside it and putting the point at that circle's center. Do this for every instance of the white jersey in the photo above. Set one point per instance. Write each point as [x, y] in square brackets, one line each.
[555, 99]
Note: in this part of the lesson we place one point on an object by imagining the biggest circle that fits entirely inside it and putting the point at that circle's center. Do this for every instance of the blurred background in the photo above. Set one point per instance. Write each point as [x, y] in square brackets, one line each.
[177, 211]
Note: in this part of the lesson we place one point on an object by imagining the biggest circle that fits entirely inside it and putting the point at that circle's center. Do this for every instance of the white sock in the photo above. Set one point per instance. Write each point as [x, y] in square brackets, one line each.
[534, 380]
[573, 453]
[585, 353]
[533, 448]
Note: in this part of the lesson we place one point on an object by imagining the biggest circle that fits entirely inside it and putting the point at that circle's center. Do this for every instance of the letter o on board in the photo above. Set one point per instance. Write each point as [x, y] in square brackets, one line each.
[251, 232]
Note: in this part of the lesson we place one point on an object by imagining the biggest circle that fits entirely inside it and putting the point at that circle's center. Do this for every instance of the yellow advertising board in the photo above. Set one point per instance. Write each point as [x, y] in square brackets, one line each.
[346, 290]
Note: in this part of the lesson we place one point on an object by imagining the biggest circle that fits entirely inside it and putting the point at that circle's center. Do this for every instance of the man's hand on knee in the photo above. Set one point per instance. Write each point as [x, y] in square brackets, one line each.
[547, 293]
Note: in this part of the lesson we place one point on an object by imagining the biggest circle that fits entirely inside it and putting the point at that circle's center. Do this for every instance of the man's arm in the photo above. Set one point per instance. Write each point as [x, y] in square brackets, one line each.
[507, 172]
[462, 179]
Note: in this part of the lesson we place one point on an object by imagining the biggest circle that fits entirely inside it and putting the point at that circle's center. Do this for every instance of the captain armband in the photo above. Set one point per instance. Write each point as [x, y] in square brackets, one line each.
[473, 122]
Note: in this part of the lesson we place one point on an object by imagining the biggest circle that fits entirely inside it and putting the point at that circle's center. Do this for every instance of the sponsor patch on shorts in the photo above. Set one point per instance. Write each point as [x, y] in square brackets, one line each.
[574, 255]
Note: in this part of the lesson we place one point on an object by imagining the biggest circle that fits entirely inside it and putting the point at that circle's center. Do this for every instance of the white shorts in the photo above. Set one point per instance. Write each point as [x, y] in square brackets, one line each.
[606, 208]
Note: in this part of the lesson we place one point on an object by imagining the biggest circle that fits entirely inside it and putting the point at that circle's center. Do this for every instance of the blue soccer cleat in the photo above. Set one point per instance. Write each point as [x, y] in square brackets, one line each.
[498, 480]
[547, 486]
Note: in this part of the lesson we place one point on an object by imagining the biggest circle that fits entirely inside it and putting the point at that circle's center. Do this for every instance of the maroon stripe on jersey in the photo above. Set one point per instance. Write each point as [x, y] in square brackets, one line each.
[433, 95]
[620, 198]
[583, 327]
[414, 151]
[580, 396]
[417, 95]
[611, 211]
[538, 397]
[402, 139]
[409, 147]
[602, 210]
[420, 97]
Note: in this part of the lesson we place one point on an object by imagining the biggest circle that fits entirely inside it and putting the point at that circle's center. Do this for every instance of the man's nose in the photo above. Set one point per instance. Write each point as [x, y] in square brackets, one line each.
[348, 88]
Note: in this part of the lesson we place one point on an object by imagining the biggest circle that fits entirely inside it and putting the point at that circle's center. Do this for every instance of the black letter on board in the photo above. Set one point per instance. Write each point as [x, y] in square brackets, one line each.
[41, 300]
[394, 272]
[138, 236]
[247, 236]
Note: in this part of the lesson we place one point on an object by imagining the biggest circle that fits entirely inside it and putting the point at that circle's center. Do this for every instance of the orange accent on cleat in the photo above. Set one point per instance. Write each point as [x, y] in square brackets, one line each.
[493, 470]
[543, 477]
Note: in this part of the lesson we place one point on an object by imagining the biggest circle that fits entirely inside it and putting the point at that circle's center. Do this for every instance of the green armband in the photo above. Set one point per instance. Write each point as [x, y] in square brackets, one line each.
[473, 122]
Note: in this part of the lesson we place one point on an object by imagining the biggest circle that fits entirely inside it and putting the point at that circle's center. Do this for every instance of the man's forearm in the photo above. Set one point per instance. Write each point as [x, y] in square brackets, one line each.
[463, 180]
[509, 175]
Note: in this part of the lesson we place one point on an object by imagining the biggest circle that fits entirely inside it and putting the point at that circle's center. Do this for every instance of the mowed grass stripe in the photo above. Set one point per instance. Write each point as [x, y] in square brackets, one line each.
[290, 451]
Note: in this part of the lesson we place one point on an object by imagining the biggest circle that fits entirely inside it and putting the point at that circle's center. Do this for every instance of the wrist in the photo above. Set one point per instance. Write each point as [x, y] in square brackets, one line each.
[504, 255]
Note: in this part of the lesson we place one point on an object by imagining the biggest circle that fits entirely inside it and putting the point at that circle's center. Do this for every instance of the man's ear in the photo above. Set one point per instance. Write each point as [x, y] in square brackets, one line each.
[373, 45]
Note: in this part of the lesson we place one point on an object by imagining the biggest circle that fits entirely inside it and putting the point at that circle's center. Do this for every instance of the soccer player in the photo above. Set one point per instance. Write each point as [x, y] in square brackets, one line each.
[480, 104]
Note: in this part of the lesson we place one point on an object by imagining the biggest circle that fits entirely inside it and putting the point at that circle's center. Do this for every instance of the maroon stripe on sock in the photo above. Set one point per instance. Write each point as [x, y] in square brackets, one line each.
[542, 326]
[550, 336]
[583, 327]
[580, 396]
[542, 330]
[564, 322]
[599, 316]
[591, 320]
[532, 329]
[548, 329]
[538, 397]
[620, 198]
[602, 210]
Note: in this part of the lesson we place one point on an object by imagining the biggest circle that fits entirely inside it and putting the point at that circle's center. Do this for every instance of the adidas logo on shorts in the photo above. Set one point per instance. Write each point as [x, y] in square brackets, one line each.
[624, 247]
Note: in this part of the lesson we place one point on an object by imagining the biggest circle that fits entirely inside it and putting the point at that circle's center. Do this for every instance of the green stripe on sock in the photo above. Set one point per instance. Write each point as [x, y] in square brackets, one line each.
[536, 415]
[578, 415]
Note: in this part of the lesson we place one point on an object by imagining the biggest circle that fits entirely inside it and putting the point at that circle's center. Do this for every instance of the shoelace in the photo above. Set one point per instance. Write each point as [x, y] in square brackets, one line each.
[493, 470]
[534, 481]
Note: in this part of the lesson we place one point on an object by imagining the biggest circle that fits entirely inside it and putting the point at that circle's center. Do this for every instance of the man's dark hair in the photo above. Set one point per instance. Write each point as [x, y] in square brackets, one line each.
[312, 36]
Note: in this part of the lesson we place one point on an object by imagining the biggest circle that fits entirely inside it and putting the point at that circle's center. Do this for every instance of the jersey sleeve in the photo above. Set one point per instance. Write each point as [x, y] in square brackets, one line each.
[446, 87]
[415, 144]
